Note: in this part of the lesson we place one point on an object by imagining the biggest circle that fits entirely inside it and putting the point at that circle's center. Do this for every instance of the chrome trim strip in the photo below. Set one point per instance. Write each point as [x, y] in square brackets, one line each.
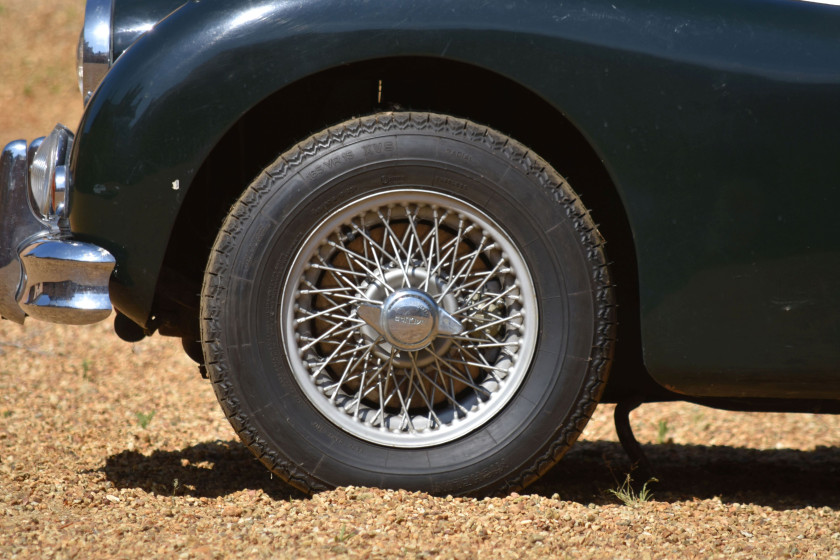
[96, 44]
[61, 181]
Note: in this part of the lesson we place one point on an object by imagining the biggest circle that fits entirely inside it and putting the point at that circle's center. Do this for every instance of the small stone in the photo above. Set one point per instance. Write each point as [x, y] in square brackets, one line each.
[232, 511]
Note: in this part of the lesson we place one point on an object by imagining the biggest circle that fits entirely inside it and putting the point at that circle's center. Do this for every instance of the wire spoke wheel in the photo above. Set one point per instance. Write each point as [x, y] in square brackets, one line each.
[408, 300]
[410, 318]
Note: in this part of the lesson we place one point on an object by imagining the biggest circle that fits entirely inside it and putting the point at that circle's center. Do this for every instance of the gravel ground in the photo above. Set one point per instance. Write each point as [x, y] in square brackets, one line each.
[107, 449]
[38, 81]
[112, 450]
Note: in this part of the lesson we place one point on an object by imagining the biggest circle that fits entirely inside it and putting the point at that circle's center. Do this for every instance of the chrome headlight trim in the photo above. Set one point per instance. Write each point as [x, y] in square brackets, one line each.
[48, 175]
[95, 54]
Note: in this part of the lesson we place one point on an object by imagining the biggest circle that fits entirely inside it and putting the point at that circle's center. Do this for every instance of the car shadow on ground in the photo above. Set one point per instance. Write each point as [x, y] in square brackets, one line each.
[777, 478]
[207, 470]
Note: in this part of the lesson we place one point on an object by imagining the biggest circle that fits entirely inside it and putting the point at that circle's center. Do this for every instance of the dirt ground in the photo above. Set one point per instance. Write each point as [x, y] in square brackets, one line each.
[116, 450]
[38, 81]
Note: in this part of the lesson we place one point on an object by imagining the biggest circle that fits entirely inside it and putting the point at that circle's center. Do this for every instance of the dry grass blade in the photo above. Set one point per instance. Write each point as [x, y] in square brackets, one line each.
[628, 495]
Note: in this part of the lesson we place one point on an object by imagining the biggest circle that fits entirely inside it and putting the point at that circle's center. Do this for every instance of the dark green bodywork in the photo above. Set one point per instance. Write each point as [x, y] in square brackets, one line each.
[718, 122]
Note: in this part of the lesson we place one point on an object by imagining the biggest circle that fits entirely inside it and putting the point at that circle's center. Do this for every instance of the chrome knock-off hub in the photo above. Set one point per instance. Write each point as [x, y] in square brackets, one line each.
[410, 319]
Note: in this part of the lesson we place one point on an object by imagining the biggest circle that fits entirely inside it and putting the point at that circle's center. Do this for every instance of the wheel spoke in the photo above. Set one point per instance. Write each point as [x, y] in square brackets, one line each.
[347, 370]
[331, 333]
[333, 355]
[432, 417]
[340, 275]
[309, 315]
[360, 260]
[484, 303]
[455, 375]
[478, 345]
[416, 237]
[466, 268]
[491, 324]
[486, 277]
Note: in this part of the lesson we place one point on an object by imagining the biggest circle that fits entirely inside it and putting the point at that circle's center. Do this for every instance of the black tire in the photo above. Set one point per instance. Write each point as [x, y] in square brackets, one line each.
[496, 398]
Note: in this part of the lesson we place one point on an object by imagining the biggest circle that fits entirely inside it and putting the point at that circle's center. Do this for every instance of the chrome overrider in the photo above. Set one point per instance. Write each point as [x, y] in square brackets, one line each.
[44, 272]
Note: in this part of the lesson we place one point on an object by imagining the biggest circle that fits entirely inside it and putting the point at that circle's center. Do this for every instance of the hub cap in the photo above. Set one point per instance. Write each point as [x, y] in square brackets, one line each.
[409, 318]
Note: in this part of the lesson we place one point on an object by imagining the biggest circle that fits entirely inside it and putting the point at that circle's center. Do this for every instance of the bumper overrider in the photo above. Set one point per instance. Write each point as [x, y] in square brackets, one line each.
[44, 272]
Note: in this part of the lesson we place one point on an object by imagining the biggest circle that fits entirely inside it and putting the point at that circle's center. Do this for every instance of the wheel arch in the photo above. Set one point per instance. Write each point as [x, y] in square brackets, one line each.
[398, 83]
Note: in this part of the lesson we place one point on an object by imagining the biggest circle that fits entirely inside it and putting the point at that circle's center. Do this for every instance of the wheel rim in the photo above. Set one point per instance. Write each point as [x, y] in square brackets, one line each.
[409, 318]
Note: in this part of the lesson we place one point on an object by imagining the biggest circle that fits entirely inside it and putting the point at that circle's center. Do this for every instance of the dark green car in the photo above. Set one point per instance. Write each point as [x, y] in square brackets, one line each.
[408, 242]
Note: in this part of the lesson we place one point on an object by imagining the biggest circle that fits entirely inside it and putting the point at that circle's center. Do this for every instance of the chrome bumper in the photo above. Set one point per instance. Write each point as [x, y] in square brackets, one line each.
[43, 272]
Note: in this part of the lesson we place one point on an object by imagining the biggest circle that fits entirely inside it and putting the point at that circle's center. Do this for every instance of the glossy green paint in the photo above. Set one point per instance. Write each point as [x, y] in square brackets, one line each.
[719, 122]
[131, 19]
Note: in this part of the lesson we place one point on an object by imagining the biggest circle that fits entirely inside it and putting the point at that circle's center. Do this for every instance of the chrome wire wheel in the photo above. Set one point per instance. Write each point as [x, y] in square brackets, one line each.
[409, 318]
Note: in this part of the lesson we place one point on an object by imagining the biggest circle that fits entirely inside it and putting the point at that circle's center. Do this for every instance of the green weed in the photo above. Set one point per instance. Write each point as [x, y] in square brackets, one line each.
[343, 535]
[628, 495]
[662, 432]
[144, 418]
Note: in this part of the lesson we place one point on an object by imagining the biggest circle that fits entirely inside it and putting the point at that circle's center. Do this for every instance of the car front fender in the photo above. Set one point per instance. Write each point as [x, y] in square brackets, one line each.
[174, 93]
